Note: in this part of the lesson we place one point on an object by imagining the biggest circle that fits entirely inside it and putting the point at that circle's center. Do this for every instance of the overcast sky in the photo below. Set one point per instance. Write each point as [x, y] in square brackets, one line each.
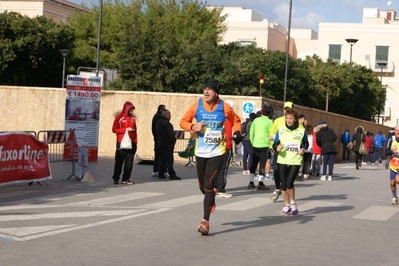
[305, 13]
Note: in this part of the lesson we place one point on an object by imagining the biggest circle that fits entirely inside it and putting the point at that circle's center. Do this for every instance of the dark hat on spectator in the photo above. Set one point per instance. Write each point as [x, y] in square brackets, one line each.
[213, 84]
[252, 116]
[266, 108]
[301, 116]
[320, 122]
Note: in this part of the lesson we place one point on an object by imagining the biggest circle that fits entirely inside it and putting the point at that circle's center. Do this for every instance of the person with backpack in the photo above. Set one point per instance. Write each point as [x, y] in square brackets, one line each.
[379, 141]
[358, 138]
[258, 135]
[346, 152]
[246, 143]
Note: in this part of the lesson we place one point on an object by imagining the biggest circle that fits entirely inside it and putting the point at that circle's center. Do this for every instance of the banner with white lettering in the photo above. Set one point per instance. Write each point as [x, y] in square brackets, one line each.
[82, 111]
[23, 158]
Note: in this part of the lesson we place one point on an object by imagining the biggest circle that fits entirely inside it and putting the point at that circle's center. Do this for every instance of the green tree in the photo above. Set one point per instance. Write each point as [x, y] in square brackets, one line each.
[157, 46]
[170, 47]
[348, 88]
[115, 15]
[29, 50]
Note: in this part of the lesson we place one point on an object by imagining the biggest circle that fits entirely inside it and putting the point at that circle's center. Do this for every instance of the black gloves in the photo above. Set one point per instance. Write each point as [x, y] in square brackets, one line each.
[237, 137]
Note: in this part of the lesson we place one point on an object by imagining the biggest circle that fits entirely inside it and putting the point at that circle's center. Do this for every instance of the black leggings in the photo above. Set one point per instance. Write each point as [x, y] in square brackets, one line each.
[124, 158]
[208, 170]
[307, 159]
[276, 173]
[259, 155]
[288, 173]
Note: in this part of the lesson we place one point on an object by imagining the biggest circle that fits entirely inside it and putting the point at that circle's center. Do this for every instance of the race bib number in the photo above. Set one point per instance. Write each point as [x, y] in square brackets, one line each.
[394, 163]
[292, 147]
[212, 137]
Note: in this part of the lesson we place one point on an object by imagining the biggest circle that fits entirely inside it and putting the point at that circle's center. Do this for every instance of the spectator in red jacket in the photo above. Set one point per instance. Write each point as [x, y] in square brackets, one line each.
[316, 158]
[125, 121]
[368, 143]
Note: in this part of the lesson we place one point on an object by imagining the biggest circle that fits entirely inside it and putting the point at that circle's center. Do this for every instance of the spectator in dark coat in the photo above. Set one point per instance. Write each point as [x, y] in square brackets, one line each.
[325, 138]
[155, 119]
[357, 138]
[247, 157]
[166, 143]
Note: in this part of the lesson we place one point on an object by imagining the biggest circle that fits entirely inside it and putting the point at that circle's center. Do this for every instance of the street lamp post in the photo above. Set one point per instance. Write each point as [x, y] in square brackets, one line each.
[261, 81]
[381, 65]
[100, 18]
[64, 53]
[287, 54]
[351, 42]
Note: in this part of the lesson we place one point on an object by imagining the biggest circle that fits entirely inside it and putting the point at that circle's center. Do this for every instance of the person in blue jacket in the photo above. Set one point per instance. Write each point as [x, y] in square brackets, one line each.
[346, 152]
[378, 141]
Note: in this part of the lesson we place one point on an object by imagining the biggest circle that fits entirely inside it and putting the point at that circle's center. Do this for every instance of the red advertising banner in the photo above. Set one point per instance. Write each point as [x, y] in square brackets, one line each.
[23, 158]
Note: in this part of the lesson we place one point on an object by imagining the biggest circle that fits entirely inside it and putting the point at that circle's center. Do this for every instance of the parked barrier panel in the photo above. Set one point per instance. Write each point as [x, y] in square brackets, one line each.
[184, 146]
[62, 146]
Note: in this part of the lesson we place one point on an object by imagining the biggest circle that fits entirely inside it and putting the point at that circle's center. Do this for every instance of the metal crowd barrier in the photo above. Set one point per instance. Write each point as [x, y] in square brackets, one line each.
[61, 145]
[184, 146]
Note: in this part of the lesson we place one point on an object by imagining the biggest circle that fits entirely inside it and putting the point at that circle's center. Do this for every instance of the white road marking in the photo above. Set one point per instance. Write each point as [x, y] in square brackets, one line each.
[377, 213]
[50, 233]
[244, 204]
[48, 198]
[28, 217]
[115, 199]
[175, 202]
[30, 230]
[27, 207]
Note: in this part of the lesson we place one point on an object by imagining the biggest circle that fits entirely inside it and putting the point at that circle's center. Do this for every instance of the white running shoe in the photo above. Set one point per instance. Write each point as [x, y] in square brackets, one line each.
[394, 201]
[224, 195]
[329, 178]
[323, 178]
[294, 209]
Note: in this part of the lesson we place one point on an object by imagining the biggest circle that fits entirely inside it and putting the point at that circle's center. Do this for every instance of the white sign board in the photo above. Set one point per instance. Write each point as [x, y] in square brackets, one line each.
[247, 108]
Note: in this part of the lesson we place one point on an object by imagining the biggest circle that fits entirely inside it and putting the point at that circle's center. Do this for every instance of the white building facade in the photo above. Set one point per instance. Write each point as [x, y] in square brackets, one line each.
[375, 46]
[57, 10]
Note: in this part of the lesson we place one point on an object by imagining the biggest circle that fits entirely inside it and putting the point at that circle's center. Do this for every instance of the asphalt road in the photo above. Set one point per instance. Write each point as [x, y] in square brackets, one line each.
[348, 221]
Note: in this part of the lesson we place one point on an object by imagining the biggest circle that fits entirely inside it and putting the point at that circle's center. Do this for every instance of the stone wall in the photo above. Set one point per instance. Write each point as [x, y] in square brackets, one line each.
[35, 109]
